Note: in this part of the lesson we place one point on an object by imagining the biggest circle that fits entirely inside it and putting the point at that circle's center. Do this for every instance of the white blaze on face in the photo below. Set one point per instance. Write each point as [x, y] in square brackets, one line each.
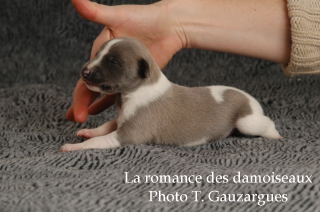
[102, 53]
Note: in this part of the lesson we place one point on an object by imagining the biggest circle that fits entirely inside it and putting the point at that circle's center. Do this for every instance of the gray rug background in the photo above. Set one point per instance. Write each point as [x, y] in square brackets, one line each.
[43, 45]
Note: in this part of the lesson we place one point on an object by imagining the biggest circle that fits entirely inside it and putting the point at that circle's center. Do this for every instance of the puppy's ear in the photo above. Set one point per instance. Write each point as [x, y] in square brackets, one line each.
[143, 68]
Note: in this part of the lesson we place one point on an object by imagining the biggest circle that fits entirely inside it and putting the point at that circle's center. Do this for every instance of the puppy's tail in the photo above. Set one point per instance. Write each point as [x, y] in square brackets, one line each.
[258, 125]
[271, 131]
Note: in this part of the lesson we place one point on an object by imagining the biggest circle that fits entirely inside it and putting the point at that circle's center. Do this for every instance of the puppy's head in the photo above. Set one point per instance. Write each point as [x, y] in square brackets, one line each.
[121, 65]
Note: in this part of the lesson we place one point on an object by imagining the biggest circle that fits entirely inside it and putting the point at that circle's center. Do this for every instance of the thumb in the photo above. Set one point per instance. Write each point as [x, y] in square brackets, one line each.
[95, 12]
[104, 36]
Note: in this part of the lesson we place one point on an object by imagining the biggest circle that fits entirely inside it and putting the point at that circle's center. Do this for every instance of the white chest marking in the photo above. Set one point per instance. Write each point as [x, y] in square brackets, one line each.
[142, 97]
[103, 52]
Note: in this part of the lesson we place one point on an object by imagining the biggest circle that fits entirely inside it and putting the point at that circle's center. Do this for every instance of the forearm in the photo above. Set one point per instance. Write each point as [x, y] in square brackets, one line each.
[249, 27]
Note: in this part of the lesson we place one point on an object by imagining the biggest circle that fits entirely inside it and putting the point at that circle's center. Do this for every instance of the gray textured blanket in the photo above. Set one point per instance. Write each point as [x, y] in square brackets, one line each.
[43, 45]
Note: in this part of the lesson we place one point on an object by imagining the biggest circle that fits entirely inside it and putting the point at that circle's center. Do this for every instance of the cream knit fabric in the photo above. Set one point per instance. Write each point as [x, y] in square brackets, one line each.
[305, 33]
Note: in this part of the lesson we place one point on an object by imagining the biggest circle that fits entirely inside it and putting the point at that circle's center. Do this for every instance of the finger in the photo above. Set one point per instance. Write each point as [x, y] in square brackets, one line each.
[95, 12]
[102, 104]
[82, 98]
[69, 114]
[104, 36]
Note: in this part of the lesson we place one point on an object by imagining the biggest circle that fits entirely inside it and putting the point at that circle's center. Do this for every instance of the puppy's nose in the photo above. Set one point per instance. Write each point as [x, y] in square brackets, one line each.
[86, 73]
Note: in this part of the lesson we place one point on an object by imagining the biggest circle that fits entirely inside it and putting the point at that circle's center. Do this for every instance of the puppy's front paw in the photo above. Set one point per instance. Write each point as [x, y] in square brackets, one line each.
[85, 133]
[68, 148]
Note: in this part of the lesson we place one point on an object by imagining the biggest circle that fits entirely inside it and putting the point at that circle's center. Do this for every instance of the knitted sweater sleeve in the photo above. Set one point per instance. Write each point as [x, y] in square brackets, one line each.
[304, 18]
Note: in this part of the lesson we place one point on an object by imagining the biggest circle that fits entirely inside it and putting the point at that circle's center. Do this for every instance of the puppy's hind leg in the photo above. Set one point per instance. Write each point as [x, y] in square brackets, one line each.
[104, 129]
[100, 142]
[258, 125]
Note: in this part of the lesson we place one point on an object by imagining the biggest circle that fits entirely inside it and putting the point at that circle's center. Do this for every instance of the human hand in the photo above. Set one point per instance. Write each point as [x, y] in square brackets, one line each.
[152, 24]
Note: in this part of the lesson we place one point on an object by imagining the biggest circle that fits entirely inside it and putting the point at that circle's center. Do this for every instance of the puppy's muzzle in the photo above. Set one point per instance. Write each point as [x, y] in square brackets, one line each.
[90, 76]
[87, 74]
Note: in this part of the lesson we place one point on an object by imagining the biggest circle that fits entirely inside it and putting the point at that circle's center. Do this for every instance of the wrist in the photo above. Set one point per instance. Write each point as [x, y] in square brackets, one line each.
[172, 10]
[190, 22]
[249, 27]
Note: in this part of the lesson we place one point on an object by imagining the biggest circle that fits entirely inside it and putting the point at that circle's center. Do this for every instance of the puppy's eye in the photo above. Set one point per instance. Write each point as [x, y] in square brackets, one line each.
[113, 61]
